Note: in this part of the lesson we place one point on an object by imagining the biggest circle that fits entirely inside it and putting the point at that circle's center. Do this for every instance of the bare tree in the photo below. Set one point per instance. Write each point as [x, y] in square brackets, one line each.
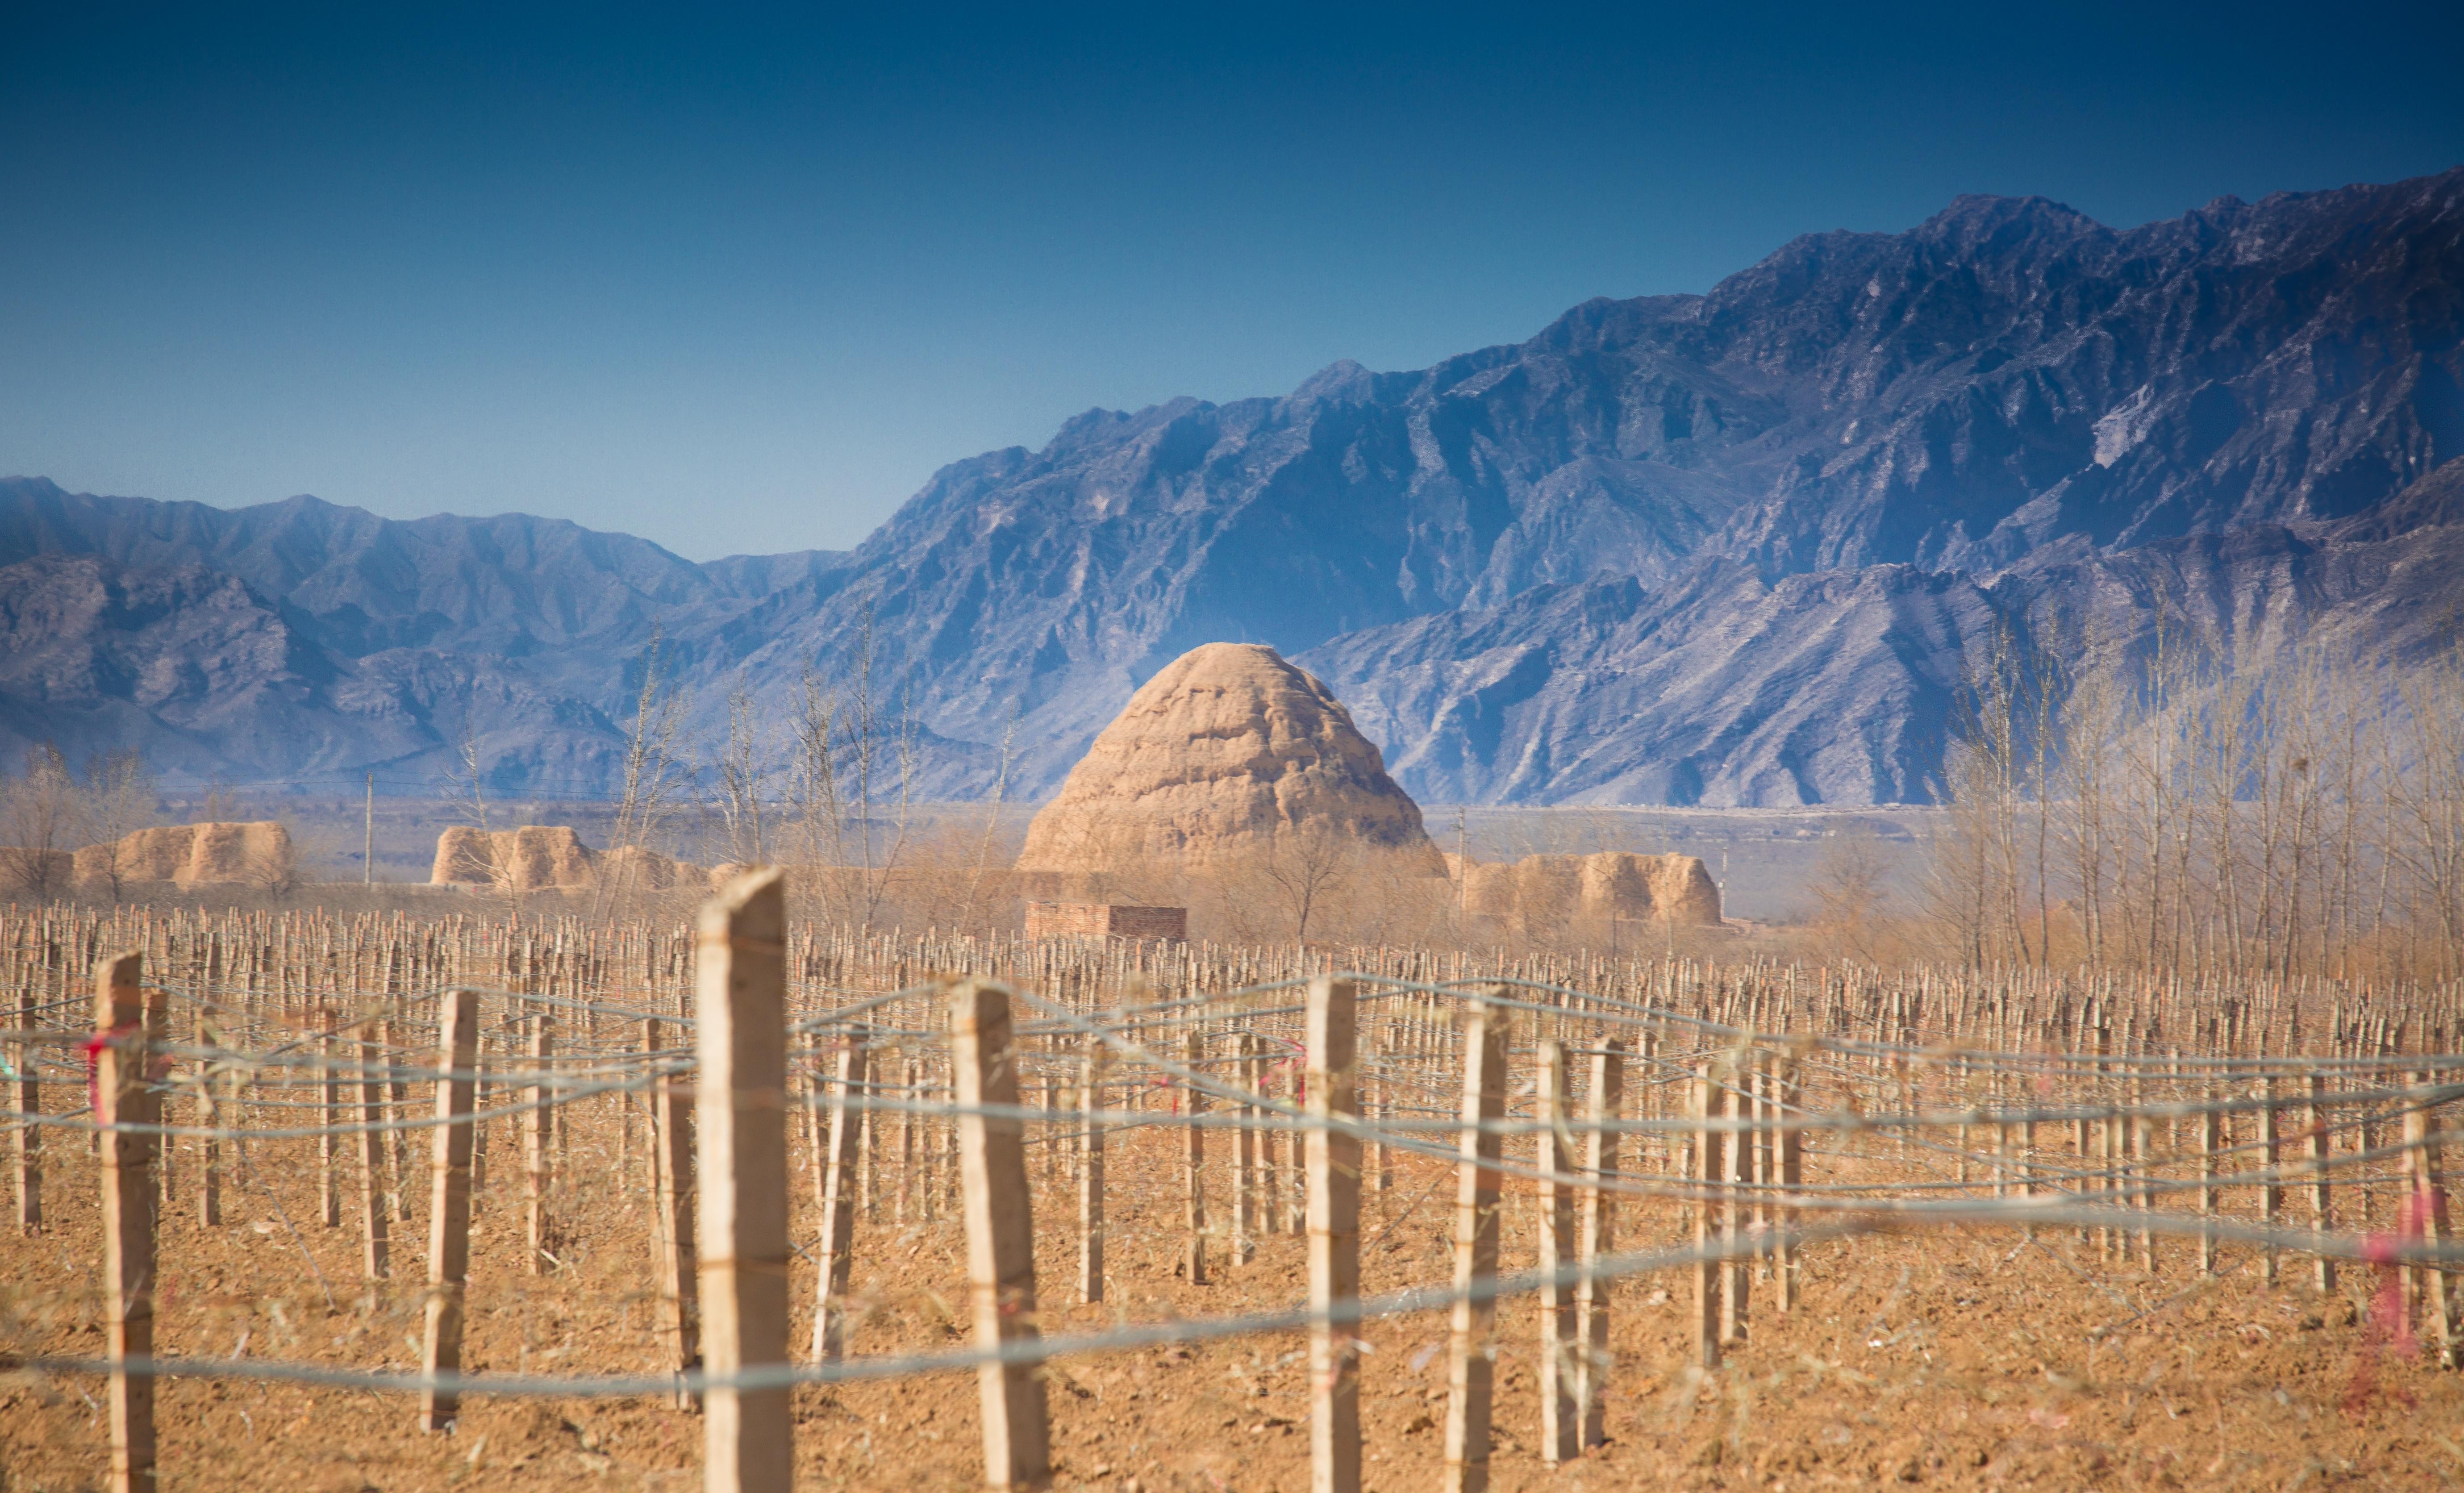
[1850, 887]
[40, 815]
[120, 800]
[1306, 867]
[2429, 843]
[813, 792]
[744, 771]
[271, 864]
[656, 775]
[983, 857]
[466, 781]
[466, 789]
[868, 731]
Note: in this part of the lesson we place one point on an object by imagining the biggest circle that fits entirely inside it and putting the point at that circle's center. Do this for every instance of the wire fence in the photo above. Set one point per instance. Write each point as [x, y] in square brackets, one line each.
[298, 1067]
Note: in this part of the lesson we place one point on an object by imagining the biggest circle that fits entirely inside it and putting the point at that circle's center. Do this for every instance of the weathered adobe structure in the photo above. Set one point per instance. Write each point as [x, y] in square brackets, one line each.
[1230, 753]
[212, 854]
[1232, 756]
[1106, 920]
[1609, 884]
[552, 858]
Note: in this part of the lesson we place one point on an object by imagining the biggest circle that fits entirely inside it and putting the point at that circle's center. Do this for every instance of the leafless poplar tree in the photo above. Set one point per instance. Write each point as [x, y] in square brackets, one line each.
[40, 815]
[120, 800]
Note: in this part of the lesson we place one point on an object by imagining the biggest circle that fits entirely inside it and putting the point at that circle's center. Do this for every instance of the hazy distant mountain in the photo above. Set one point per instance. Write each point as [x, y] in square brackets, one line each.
[1728, 548]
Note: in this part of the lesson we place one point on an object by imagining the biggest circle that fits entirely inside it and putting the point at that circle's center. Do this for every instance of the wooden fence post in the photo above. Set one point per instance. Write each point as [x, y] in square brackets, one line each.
[1331, 1085]
[1602, 1163]
[1193, 1264]
[740, 1141]
[1736, 1293]
[1789, 1106]
[1469, 1368]
[2426, 1208]
[1709, 1167]
[27, 1139]
[375, 1240]
[838, 1197]
[676, 1215]
[1560, 1417]
[1001, 1234]
[1244, 1155]
[2210, 1149]
[209, 1150]
[2323, 1207]
[2271, 1191]
[1090, 1179]
[329, 1073]
[128, 1025]
[1294, 1192]
[537, 1161]
[398, 1087]
[448, 1216]
[910, 1080]
[1270, 1197]
[1382, 1106]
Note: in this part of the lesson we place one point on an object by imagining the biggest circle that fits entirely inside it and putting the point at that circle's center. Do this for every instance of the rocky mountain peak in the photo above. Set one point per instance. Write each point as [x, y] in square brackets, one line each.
[1729, 548]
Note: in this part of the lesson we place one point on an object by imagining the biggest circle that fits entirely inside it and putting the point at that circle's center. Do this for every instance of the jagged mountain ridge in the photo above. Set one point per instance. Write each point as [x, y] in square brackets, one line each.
[1837, 466]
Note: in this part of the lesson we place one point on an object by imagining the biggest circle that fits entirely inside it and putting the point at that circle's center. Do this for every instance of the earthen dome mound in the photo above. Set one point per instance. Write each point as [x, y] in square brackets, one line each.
[1230, 753]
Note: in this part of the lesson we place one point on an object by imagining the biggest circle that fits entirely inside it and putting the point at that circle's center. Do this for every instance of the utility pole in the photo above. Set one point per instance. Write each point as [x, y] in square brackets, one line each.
[368, 856]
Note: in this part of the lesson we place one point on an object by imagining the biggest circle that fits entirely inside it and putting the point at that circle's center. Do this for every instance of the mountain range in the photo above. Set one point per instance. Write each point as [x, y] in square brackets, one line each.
[1738, 548]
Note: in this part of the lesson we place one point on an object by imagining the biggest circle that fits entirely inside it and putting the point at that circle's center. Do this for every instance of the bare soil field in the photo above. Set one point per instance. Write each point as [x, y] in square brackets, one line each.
[1982, 1353]
[1965, 1358]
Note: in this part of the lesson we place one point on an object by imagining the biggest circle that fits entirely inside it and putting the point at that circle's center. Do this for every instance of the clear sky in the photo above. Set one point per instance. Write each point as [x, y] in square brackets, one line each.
[741, 280]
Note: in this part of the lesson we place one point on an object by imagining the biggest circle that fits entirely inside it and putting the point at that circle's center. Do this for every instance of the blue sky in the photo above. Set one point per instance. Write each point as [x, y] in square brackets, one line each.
[740, 280]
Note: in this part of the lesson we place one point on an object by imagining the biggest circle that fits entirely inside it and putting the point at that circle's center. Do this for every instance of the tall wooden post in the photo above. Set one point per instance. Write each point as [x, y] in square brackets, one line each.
[1245, 1155]
[27, 1139]
[209, 1149]
[838, 1197]
[2211, 1147]
[1560, 1417]
[740, 1141]
[1469, 1368]
[1737, 1157]
[1709, 1167]
[449, 1213]
[909, 1194]
[2271, 1191]
[1090, 1179]
[1193, 1264]
[2426, 1208]
[1001, 1234]
[537, 1162]
[1381, 1107]
[1330, 1084]
[1270, 1197]
[398, 1087]
[2322, 1206]
[676, 1215]
[1295, 1190]
[130, 1025]
[329, 1072]
[375, 1239]
[1788, 1092]
[1602, 1163]
[27, 1136]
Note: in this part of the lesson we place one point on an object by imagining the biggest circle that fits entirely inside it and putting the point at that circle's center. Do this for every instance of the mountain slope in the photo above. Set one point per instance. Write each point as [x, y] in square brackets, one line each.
[2010, 380]
[1713, 548]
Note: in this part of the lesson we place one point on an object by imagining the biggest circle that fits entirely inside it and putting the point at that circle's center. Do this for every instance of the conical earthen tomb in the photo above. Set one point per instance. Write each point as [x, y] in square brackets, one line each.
[1231, 753]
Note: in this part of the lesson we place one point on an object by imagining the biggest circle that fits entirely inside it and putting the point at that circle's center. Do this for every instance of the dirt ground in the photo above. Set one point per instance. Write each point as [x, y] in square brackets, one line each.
[1960, 1359]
